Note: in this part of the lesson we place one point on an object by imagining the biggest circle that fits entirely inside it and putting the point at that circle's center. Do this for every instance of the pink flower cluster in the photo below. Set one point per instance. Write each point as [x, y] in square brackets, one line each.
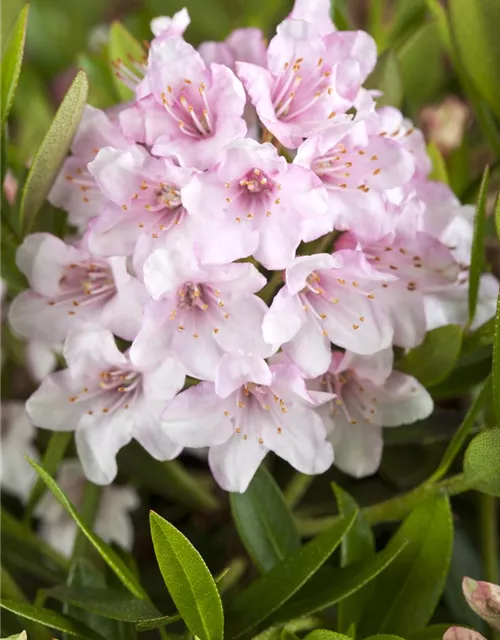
[251, 220]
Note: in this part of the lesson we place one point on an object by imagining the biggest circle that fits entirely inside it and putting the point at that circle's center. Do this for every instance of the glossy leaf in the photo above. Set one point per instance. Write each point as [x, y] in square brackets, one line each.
[270, 592]
[52, 151]
[54, 453]
[357, 545]
[125, 50]
[51, 619]
[409, 590]
[107, 553]
[439, 171]
[264, 522]
[107, 603]
[475, 28]
[433, 360]
[188, 580]
[477, 252]
[482, 462]
[386, 77]
[12, 58]
[331, 586]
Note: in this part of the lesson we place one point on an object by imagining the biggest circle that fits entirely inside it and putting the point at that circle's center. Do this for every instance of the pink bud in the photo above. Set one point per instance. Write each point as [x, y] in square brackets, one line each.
[484, 599]
[460, 633]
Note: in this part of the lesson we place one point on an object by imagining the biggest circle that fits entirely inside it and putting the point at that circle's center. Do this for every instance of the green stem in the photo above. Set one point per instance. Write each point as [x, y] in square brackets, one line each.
[296, 488]
[267, 293]
[391, 510]
[488, 506]
[88, 512]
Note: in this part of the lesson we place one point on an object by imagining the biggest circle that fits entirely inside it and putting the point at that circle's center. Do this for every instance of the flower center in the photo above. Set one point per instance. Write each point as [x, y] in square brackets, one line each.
[190, 109]
[256, 181]
[191, 295]
[85, 283]
[168, 196]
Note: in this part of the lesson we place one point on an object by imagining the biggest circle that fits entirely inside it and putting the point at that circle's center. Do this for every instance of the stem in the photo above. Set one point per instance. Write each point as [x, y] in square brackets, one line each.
[267, 293]
[489, 537]
[390, 510]
[296, 488]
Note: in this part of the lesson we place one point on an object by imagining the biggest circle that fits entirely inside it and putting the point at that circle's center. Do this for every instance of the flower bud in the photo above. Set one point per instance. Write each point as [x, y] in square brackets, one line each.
[484, 599]
[460, 633]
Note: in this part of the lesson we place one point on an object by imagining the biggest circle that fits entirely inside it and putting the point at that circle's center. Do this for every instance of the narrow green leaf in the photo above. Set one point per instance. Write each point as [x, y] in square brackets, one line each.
[52, 151]
[188, 580]
[482, 462]
[439, 171]
[358, 544]
[409, 590]
[331, 586]
[477, 252]
[495, 373]
[125, 50]
[439, 13]
[107, 603]
[51, 619]
[323, 634]
[497, 215]
[264, 522]
[110, 556]
[269, 592]
[434, 359]
[433, 632]
[475, 29]
[386, 77]
[54, 453]
[12, 58]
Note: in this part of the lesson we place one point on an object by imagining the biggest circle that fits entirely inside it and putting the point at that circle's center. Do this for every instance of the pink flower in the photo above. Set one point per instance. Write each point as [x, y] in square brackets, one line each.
[357, 169]
[461, 633]
[309, 78]
[75, 190]
[242, 45]
[420, 264]
[68, 287]
[249, 410]
[107, 401]
[267, 205]
[186, 109]
[199, 312]
[164, 27]
[484, 599]
[369, 395]
[142, 195]
[327, 299]
[317, 12]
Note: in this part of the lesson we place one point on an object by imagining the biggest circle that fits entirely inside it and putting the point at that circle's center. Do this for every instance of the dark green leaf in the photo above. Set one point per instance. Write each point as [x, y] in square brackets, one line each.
[54, 453]
[188, 580]
[51, 153]
[482, 462]
[12, 58]
[102, 90]
[51, 619]
[433, 360]
[386, 77]
[439, 171]
[331, 586]
[477, 252]
[474, 24]
[433, 632]
[109, 556]
[497, 215]
[495, 373]
[409, 590]
[264, 522]
[439, 13]
[125, 50]
[358, 544]
[107, 603]
[269, 592]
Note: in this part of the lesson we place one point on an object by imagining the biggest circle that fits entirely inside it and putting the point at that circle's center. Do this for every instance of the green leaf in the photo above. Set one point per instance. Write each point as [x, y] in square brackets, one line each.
[358, 544]
[125, 50]
[384, 636]
[439, 171]
[12, 58]
[54, 453]
[51, 619]
[495, 373]
[52, 151]
[409, 590]
[107, 603]
[482, 462]
[496, 213]
[442, 24]
[102, 90]
[433, 632]
[188, 580]
[269, 592]
[434, 359]
[264, 522]
[386, 77]
[475, 28]
[322, 634]
[110, 556]
[18, 636]
[477, 252]
[331, 586]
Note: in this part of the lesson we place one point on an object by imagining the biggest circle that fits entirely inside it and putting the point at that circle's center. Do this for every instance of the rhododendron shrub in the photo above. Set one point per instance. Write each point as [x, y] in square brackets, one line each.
[256, 257]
